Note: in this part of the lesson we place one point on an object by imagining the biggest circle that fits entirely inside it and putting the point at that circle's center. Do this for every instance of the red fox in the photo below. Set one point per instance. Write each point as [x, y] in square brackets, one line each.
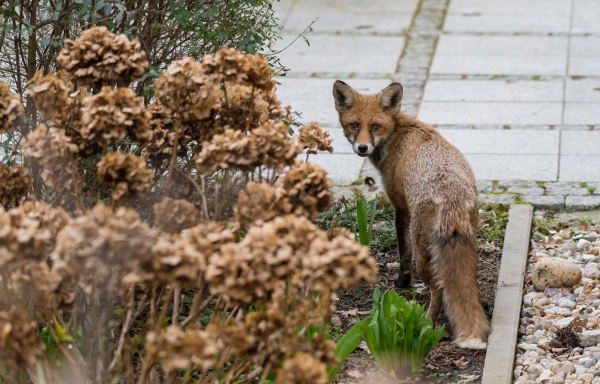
[432, 188]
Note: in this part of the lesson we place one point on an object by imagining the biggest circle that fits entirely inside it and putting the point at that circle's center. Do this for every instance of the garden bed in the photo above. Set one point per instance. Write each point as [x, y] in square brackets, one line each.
[446, 362]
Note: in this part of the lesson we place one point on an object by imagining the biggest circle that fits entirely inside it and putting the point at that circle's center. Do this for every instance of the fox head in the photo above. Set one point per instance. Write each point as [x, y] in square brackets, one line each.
[367, 120]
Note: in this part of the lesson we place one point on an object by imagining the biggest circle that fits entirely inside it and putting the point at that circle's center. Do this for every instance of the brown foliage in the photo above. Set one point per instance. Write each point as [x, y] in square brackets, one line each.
[126, 173]
[16, 183]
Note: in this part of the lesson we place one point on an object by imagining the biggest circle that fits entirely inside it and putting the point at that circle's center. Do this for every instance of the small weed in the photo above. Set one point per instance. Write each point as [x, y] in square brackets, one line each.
[583, 185]
[544, 226]
[536, 77]
[493, 220]
[541, 184]
[591, 190]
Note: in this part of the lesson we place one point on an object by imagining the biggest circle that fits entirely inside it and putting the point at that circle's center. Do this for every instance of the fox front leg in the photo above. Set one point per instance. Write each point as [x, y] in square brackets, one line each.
[404, 249]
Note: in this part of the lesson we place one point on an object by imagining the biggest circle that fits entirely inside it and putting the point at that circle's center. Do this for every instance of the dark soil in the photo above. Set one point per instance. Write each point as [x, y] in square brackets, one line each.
[446, 362]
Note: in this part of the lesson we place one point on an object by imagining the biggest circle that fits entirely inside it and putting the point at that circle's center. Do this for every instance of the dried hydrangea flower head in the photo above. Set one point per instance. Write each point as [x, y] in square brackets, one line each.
[252, 271]
[174, 348]
[232, 149]
[28, 232]
[314, 139]
[261, 202]
[175, 215]
[11, 109]
[113, 114]
[308, 189]
[231, 65]
[101, 57]
[20, 346]
[100, 238]
[126, 173]
[15, 183]
[55, 152]
[186, 92]
[52, 96]
[162, 138]
[302, 369]
[181, 259]
[274, 145]
[338, 263]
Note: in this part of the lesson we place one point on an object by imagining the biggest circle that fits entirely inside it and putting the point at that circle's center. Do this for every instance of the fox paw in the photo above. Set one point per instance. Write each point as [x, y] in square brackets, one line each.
[471, 343]
[403, 281]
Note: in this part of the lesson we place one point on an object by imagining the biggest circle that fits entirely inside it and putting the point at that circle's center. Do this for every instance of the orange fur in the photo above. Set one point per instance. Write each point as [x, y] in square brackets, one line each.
[432, 187]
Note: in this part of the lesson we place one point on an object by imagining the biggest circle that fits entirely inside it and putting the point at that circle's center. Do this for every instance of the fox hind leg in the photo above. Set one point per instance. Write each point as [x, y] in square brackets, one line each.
[404, 249]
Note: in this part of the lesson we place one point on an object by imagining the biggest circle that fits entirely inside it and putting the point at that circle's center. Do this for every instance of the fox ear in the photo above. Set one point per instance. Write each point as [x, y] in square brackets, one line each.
[344, 96]
[391, 97]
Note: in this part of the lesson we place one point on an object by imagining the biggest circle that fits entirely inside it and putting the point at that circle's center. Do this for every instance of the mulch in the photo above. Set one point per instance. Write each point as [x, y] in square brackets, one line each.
[446, 362]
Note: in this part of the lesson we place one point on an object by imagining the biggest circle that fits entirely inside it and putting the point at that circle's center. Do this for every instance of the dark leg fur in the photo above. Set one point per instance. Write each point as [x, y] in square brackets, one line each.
[404, 249]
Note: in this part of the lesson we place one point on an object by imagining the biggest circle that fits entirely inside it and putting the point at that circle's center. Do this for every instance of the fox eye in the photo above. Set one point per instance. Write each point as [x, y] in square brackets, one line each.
[375, 127]
[354, 126]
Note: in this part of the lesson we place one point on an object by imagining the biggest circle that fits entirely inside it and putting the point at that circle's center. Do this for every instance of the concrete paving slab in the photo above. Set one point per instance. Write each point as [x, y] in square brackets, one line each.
[584, 66]
[500, 55]
[585, 16]
[495, 90]
[495, 141]
[507, 23]
[579, 168]
[580, 143]
[511, 7]
[498, 113]
[282, 9]
[340, 16]
[343, 169]
[313, 98]
[514, 167]
[342, 54]
[582, 113]
[584, 90]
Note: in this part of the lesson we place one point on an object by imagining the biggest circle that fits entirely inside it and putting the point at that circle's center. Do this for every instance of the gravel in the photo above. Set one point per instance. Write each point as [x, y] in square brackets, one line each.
[560, 327]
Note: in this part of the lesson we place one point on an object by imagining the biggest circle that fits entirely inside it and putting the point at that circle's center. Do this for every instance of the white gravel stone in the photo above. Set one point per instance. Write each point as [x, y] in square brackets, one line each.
[592, 271]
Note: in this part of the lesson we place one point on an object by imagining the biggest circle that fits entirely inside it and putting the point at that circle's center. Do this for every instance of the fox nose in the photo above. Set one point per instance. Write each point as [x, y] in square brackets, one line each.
[363, 148]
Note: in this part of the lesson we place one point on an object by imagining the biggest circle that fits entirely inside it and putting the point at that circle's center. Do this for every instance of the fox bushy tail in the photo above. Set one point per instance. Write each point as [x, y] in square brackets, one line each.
[454, 260]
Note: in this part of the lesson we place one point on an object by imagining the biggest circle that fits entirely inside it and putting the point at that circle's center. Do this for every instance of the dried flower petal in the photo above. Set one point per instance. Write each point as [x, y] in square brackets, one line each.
[55, 152]
[15, 183]
[101, 56]
[11, 109]
[52, 98]
[173, 216]
[126, 173]
[308, 189]
[112, 114]
[302, 369]
[20, 345]
[314, 139]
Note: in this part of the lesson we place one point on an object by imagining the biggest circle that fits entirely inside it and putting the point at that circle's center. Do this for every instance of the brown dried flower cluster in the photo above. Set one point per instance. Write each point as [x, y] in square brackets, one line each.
[269, 145]
[162, 138]
[28, 232]
[101, 56]
[52, 96]
[232, 149]
[11, 109]
[15, 184]
[314, 139]
[274, 253]
[20, 345]
[274, 145]
[181, 259]
[103, 237]
[186, 92]
[261, 202]
[112, 114]
[174, 348]
[302, 369]
[126, 173]
[308, 189]
[231, 65]
[173, 216]
[55, 152]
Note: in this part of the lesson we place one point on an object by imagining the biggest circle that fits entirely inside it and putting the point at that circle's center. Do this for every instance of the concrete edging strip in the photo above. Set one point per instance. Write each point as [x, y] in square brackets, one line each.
[502, 342]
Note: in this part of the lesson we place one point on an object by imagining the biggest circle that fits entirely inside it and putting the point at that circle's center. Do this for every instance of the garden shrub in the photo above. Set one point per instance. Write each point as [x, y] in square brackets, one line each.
[137, 262]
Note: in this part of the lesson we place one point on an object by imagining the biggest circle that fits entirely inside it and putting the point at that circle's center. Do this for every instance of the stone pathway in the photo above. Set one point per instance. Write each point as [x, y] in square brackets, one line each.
[514, 85]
